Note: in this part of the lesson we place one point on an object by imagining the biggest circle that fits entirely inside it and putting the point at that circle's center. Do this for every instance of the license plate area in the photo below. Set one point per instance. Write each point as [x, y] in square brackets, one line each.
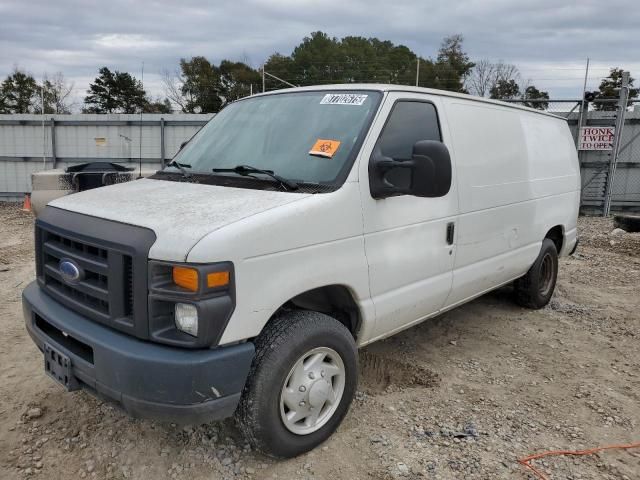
[58, 366]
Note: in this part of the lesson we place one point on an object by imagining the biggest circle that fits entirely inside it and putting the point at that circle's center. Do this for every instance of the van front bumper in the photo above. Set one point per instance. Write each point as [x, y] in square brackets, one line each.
[146, 379]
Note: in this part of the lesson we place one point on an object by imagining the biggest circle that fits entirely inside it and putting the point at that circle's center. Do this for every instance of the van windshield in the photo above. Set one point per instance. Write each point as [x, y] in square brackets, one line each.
[305, 137]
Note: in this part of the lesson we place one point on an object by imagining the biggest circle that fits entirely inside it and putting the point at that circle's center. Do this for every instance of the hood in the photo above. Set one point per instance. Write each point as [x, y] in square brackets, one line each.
[180, 214]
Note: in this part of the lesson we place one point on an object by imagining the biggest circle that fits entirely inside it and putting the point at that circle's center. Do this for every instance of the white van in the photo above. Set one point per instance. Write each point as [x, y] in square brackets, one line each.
[295, 227]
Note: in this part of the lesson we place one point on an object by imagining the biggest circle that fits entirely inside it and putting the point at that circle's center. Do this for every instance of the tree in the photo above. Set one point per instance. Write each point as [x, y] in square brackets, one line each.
[236, 80]
[56, 94]
[320, 59]
[18, 93]
[172, 86]
[114, 92]
[200, 85]
[505, 90]
[157, 106]
[482, 78]
[610, 88]
[452, 64]
[532, 93]
[485, 75]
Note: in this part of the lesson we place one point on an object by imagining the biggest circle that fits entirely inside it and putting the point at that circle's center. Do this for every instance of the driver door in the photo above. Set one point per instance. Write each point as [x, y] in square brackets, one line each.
[409, 241]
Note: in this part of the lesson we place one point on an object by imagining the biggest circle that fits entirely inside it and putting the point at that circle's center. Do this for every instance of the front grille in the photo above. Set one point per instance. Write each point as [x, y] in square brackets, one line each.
[104, 291]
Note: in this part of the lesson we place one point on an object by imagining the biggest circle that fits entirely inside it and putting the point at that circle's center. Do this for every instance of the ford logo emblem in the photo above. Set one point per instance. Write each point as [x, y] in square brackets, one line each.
[69, 270]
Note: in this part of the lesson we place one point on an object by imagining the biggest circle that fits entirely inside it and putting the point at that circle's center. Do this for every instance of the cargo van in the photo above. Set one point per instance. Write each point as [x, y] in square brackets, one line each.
[292, 229]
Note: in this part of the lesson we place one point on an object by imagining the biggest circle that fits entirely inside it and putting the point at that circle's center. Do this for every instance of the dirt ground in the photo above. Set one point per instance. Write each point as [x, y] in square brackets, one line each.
[461, 396]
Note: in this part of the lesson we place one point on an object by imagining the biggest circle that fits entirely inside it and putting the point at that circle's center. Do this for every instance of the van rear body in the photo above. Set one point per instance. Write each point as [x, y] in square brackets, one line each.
[319, 219]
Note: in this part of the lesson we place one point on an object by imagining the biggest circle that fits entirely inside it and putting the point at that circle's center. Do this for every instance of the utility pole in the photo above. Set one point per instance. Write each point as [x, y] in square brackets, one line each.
[621, 110]
[263, 79]
[140, 143]
[417, 71]
[44, 139]
[584, 105]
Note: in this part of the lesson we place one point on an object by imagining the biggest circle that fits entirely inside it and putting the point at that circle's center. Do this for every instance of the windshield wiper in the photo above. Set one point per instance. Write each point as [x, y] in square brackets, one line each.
[246, 170]
[180, 166]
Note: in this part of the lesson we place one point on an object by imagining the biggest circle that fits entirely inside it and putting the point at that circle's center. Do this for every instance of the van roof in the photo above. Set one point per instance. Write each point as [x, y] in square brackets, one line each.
[383, 87]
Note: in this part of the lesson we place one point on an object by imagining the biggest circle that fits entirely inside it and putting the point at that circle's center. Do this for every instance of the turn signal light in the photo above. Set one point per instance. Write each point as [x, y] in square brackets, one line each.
[186, 278]
[217, 279]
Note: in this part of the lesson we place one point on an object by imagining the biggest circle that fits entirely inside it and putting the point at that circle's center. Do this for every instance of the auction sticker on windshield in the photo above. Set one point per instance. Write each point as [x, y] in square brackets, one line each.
[343, 99]
[324, 148]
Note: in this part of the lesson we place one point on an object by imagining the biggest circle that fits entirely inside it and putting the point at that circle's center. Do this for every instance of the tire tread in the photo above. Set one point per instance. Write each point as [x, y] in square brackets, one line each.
[274, 337]
[526, 291]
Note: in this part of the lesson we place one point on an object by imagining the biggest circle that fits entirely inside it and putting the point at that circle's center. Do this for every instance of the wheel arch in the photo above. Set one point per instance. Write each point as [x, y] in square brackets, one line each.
[335, 300]
[556, 235]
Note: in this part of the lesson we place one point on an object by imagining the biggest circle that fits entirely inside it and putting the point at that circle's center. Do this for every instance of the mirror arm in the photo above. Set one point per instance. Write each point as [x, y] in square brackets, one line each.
[383, 166]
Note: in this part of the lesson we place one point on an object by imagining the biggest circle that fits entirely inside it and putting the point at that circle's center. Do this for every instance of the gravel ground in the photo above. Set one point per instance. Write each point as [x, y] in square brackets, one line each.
[461, 396]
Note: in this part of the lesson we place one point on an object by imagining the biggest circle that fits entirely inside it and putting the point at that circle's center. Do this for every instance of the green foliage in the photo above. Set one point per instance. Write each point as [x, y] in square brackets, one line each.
[18, 93]
[452, 65]
[610, 88]
[157, 106]
[203, 87]
[320, 59]
[532, 93]
[505, 90]
[114, 92]
[200, 85]
[237, 80]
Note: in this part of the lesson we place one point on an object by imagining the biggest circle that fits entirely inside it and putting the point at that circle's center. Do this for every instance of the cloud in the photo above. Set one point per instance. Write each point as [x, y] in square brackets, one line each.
[548, 40]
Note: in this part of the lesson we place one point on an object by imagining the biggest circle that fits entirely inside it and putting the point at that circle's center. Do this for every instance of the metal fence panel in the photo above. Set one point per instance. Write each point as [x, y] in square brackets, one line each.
[30, 143]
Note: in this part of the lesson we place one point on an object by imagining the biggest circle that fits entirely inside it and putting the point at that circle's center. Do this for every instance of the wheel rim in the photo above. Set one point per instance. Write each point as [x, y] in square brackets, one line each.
[547, 268]
[312, 391]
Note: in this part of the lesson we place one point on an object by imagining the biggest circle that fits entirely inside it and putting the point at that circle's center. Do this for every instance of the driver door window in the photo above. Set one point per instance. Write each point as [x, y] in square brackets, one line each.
[408, 123]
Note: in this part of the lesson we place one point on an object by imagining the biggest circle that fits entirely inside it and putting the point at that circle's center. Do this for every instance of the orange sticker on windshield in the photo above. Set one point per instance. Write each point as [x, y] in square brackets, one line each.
[324, 148]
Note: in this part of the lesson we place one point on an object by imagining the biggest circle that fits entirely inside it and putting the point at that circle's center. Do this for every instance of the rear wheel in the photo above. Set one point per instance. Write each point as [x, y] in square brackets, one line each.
[301, 383]
[535, 288]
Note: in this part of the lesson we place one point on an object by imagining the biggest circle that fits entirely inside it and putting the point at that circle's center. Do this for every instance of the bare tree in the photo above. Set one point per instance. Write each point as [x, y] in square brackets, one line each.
[55, 91]
[482, 78]
[486, 75]
[506, 71]
[172, 83]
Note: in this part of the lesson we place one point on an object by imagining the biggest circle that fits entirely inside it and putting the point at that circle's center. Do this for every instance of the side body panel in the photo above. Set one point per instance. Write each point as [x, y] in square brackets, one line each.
[410, 261]
[284, 252]
[517, 178]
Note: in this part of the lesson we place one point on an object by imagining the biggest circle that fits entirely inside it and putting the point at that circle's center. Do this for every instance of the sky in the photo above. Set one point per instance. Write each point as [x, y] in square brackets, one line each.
[549, 41]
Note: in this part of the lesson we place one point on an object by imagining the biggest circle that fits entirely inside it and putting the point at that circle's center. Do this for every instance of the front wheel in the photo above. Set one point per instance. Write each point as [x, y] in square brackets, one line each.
[535, 288]
[301, 384]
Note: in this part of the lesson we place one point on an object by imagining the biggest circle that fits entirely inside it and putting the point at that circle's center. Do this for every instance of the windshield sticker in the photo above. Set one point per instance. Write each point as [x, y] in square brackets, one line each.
[324, 148]
[343, 99]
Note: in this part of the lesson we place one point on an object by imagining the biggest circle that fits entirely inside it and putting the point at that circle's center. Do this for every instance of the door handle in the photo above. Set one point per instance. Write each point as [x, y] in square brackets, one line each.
[451, 227]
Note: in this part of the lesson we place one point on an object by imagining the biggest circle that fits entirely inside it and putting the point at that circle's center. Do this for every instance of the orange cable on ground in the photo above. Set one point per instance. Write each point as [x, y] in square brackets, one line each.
[525, 461]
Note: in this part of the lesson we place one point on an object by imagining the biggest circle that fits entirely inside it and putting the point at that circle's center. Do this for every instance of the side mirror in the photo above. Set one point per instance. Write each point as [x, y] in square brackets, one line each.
[182, 145]
[429, 172]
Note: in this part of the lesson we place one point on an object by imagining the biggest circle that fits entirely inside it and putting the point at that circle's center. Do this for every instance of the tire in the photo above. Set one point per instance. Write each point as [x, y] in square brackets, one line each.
[264, 414]
[535, 288]
[628, 223]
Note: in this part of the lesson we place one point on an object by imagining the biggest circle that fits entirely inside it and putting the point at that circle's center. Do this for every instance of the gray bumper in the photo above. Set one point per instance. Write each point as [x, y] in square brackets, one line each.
[147, 379]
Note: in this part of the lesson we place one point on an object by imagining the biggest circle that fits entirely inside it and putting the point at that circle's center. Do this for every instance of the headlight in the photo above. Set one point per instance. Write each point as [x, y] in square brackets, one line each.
[187, 318]
[190, 303]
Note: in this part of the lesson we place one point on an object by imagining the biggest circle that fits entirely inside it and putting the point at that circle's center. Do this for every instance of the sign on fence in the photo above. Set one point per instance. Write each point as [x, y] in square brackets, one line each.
[596, 138]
